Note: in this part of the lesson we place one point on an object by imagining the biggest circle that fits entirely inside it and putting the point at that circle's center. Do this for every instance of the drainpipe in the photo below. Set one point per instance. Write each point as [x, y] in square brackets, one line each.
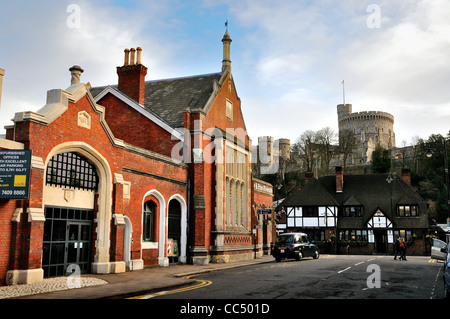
[188, 219]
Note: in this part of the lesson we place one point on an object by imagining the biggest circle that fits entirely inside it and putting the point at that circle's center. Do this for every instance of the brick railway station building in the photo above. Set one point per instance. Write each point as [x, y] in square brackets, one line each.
[133, 174]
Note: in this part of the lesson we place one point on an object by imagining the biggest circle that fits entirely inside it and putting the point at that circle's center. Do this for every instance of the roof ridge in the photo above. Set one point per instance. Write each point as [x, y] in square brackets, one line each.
[184, 77]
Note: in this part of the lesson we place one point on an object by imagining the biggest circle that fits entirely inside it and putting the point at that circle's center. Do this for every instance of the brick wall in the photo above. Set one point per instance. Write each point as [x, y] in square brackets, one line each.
[21, 243]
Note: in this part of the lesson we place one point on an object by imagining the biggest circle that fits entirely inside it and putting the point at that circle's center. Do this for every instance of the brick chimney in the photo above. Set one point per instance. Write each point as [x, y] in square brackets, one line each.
[308, 177]
[132, 75]
[339, 179]
[406, 176]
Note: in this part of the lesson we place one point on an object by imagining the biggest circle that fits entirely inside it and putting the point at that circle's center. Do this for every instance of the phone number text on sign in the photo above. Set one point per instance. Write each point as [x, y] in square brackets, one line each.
[15, 168]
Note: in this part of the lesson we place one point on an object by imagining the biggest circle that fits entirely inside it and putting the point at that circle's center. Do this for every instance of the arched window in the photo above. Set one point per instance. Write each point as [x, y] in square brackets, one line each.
[149, 221]
[236, 181]
[241, 204]
[228, 201]
[71, 170]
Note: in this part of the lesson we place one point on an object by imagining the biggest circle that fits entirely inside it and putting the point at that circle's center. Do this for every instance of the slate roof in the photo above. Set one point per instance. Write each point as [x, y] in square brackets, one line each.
[170, 98]
[372, 191]
[311, 194]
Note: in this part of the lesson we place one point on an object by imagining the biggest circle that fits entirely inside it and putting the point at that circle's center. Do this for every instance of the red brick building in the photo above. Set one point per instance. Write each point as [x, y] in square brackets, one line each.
[120, 171]
[264, 216]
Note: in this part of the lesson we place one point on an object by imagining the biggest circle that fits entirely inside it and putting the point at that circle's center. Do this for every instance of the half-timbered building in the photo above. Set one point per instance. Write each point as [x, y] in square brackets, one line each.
[359, 213]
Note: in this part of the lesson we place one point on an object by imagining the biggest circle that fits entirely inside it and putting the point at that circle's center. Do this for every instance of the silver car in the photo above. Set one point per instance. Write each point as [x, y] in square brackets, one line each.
[441, 251]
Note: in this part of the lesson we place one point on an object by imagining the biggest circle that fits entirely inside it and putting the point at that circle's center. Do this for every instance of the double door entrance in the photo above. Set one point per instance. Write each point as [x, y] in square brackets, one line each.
[67, 240]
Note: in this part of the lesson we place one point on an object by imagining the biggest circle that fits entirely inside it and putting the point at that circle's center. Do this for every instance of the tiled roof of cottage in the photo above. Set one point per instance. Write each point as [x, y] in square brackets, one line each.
[310, 195]
[170, 98]
[372, 191]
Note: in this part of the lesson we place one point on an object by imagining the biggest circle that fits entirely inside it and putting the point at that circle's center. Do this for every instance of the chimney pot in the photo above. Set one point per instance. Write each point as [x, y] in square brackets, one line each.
[127, 57]
[132, 76]
[406, 176]
[75, 71]
[133, 50]
[138, 55]
[339, 179]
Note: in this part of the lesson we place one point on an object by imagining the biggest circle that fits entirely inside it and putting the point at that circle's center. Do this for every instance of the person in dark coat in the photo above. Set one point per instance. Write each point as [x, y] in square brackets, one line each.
[397, 248]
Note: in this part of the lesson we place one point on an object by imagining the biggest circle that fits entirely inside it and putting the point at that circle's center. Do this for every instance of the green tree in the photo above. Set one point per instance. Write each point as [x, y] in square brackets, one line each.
[428, 177]
[381, 160]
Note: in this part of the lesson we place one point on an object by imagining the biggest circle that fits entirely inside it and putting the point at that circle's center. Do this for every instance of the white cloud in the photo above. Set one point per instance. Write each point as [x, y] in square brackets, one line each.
[289, 57]
[401, 67]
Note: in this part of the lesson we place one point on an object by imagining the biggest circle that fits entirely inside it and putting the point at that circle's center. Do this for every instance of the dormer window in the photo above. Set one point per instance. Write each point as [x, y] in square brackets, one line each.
[352, 211]
[407, 211]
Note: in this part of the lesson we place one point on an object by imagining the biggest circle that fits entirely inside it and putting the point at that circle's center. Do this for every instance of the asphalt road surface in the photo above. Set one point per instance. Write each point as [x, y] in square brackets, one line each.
[329, 277]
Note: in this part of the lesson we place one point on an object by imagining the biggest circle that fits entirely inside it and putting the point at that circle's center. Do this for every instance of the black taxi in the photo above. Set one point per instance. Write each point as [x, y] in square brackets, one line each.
[294, 245]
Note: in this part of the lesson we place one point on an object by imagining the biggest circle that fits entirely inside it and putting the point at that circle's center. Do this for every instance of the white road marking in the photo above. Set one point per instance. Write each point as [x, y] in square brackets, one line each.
[344, 270]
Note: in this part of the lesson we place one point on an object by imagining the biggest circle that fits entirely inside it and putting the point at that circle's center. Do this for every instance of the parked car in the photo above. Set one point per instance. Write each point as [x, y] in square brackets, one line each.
[441, 251]
[294, 245]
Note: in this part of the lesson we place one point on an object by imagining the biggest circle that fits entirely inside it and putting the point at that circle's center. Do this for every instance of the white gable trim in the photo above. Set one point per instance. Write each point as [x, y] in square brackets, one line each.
[139, 108]
[379, 220]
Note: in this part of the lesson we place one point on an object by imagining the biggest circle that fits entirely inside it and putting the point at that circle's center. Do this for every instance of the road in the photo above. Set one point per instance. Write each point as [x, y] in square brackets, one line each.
[329, 277]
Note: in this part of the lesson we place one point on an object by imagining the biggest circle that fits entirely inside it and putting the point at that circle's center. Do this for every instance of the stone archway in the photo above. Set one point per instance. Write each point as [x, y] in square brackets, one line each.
[162, 259]
[101, 262]
[183, 237]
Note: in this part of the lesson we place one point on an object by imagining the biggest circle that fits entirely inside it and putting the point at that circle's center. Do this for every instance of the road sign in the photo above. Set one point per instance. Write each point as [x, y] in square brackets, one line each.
[264, 211]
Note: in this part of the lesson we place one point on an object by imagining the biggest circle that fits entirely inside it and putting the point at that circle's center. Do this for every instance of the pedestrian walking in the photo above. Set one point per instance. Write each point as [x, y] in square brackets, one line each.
[397, 248]
[403, 249]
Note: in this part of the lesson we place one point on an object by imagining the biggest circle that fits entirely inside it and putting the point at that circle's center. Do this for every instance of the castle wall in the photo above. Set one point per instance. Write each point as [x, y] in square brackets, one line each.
[370, 129]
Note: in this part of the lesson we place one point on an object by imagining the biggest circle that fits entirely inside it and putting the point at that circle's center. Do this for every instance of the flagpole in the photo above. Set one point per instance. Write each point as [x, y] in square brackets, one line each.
[343, 91]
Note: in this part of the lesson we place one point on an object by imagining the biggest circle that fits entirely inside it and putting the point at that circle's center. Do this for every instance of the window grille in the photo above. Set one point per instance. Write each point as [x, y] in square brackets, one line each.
[71, 170]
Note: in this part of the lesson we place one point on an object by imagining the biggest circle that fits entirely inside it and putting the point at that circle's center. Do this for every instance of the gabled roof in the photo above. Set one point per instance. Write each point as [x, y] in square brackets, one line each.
[312, 194]
[170, 98]
[139, 108]
[372, 191]
[352, 201]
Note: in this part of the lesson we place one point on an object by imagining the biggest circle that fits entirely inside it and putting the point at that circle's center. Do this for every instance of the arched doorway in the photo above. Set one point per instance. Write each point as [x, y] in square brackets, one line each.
[174, 229]
[62, 196]
[178, 204]
[70, 185]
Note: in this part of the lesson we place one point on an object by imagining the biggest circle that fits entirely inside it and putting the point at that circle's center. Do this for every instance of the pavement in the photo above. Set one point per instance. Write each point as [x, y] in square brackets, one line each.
[131, 283]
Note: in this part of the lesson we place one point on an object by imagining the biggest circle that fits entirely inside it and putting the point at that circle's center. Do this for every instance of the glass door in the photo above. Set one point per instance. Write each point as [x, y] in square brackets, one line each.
[78, 244]
[67, 240]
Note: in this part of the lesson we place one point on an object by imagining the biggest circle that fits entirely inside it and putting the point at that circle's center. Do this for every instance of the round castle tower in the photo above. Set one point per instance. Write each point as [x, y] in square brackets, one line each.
[370, 129]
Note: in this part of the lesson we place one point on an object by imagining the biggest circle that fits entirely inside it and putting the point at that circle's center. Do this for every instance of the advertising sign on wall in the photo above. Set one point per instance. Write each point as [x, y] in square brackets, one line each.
[15, 167]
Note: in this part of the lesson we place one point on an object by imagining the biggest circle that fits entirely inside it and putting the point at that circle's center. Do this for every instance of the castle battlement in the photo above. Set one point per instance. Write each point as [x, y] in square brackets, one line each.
[370, 128]
[367, 115]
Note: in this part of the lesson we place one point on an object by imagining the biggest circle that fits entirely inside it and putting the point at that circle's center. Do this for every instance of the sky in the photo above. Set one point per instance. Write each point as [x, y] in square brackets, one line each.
[289, 58]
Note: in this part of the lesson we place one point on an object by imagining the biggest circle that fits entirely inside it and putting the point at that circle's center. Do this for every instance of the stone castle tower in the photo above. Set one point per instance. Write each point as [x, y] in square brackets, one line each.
[370, 129]
[270, 156]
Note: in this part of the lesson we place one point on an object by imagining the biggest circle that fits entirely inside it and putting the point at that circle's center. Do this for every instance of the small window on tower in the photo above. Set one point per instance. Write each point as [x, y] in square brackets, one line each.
[229, 110]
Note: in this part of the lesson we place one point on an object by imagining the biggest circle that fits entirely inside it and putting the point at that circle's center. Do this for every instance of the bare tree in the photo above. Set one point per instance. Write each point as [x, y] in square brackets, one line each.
[306, 147]
[325, 139]
[347, 145]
